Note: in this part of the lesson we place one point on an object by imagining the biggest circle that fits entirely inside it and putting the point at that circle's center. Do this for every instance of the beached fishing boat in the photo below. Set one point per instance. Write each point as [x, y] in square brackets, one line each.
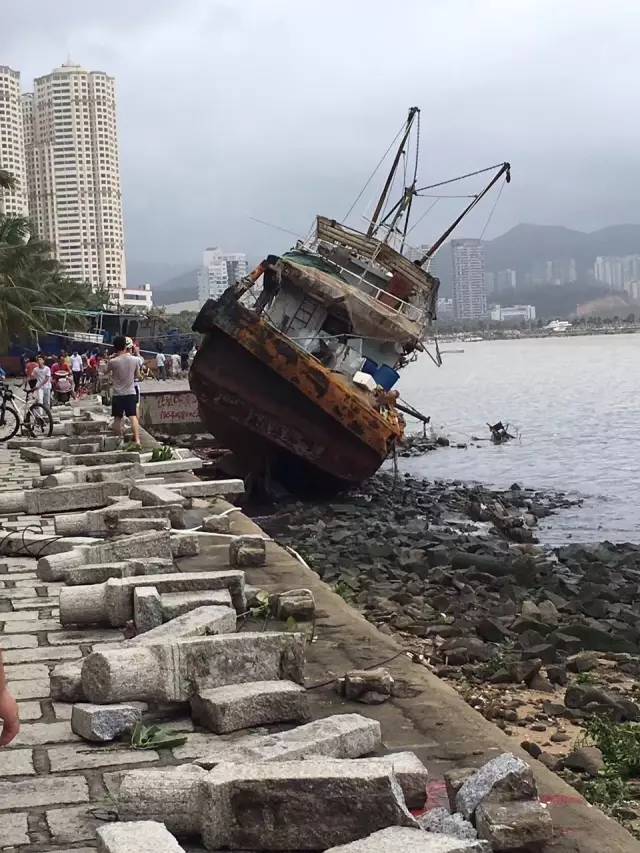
[299, 360]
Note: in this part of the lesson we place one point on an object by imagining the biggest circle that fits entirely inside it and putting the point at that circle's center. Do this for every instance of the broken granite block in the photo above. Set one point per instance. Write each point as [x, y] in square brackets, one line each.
[111, 602]
[105, 722]
[515, 825]
[185, 545]
[370, 686]
[454, 780]
[217, 523]
[171, 795]
[175, 604]
[137, 837]
[66, 682]
[176, 671]
[147, 608]
[443, 822]
[247, 552]
[295, 604]
[346, 799]
[254, 703]
[338, 736]
[503, 779]
[201, 621]
[411, 774]
[396, 839]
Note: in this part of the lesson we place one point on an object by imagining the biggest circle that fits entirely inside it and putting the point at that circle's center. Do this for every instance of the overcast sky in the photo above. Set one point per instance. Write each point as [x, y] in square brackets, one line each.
[279, 109]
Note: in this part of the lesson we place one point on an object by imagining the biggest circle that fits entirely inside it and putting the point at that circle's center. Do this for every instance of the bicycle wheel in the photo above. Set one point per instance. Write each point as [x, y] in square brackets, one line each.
[9, 423]
[38, 421]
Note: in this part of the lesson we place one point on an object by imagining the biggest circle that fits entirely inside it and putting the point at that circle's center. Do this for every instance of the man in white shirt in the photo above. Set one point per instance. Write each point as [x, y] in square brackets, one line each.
[42, 389]
[77, 370]
[161, 364]
[124, 368]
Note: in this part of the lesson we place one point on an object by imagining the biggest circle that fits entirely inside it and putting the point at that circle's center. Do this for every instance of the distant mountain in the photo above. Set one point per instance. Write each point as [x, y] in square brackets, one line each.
[155, 272]
[525, 245]
[180, 288]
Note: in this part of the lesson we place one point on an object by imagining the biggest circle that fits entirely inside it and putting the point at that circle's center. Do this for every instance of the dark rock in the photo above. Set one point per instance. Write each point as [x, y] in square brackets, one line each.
[524, 670]
[545, 652]
[553, 709]
[556, 673]
[598, 639]
[491, 631]
[582, 662]
[532, 748]
[587, 759]
[539, 682]
[585, 696]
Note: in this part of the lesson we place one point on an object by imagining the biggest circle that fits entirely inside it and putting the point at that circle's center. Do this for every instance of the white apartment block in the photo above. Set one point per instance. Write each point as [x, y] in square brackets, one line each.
[218, 271]
[469, 287]
[617, 272]
[73, 173]
[12, 143]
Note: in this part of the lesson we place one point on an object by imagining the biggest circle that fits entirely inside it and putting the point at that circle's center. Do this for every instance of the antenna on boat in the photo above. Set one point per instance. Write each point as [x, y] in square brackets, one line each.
[503, 169]
[413, 112]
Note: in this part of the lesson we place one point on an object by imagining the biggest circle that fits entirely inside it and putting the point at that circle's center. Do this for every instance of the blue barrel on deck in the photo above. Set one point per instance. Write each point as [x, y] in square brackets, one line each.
[386, 377]
[370, 366]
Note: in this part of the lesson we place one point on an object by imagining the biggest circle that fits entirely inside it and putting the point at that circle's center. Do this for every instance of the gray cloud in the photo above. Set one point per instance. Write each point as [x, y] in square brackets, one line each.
[279, 109]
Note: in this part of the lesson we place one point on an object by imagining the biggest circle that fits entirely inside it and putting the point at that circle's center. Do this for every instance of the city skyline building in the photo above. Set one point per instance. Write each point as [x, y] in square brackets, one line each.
[13, 202]
[73, 174]
[617, 272]
[218, 271]
[469, 287]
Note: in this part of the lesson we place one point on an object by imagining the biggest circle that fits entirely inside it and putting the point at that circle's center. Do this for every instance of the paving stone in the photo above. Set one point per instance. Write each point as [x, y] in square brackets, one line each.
[80, 757]
[35, 734]
[35, 603]
[42, 653]
[29, 710]
[16, 762]
[137, 837]
[31, 626]
[19, 617]
[62, 710]
[13, 830]
[19, 641]
[44, 791]
[20, 672]
[98, 635]
[72, 824]
[32, 688]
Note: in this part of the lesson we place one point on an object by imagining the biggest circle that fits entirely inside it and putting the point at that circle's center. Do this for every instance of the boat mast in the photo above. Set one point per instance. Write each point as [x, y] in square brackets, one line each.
[505, 169]
[413, 111]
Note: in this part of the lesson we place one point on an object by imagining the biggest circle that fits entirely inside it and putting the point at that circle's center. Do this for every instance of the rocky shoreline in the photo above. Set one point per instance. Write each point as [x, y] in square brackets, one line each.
[541, 641]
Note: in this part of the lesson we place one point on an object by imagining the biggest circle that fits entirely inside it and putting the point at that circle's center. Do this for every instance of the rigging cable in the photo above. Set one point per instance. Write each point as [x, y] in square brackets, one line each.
[492, 211]
[371, 176]
[460, 177]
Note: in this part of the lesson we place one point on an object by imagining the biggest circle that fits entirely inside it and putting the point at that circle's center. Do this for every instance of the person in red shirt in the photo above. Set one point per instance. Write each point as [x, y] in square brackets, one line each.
[30, 366]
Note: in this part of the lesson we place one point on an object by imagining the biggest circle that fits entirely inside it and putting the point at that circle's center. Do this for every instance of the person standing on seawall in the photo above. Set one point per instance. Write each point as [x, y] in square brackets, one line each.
[8, 710]
[124, 370]
[76, 369]
[161, 364]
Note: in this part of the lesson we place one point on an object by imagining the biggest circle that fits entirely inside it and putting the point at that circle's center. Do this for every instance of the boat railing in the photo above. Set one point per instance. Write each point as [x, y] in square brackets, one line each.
[390, 300]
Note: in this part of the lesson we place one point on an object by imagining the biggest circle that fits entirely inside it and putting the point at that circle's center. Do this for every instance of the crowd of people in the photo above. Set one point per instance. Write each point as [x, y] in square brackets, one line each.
[71, 375]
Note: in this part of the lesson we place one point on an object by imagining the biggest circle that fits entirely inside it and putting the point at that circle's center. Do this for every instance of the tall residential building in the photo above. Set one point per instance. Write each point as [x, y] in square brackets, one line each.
[218, 271]
[73, 173]
[617, 272]
[469, 290]
[506, 279]
[12, 150]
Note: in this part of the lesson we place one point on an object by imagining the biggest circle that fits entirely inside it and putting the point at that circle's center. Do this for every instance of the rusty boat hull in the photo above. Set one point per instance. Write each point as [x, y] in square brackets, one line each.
[279, 409]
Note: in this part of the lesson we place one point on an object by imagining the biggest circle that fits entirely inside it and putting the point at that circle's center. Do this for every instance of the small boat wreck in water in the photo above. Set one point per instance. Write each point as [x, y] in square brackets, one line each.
[298, 378]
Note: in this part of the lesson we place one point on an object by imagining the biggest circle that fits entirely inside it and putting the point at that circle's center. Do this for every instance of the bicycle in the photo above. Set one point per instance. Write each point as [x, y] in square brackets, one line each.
[35, 421]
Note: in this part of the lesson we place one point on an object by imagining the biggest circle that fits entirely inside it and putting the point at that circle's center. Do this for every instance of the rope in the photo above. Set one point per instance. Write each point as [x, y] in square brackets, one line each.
[371, 176]
[365, 668]
[492, 211]
[460, 177]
